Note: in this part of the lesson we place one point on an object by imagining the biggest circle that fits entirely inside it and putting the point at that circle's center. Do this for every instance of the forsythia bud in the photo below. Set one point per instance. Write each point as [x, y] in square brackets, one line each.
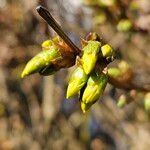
[46, 45]
[107, 50]
[77, 81]
[95, 87]
[90, 55]
[123, 66]
[122, 101]
[85, 107]
[124, 25]
[41, 60]
[147, 102]
[114, 72]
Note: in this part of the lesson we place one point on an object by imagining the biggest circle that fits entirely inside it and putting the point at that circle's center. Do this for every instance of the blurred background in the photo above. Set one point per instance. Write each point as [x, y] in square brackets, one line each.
[34, 114]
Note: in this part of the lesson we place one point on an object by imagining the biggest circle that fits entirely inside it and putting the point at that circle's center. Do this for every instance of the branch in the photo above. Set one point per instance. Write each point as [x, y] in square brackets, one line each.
[45, 14]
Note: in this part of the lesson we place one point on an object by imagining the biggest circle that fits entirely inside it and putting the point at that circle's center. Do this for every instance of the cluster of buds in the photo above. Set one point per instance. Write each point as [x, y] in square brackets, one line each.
[55, 54]
[91, 74]
[90, 77]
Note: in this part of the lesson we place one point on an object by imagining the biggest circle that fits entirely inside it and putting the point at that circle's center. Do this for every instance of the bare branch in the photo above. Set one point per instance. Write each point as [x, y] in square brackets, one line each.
[45, 14]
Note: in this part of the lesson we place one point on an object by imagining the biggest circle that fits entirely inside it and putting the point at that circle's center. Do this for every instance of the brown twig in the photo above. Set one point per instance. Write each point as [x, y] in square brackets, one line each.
[127, 85]
[45, 14]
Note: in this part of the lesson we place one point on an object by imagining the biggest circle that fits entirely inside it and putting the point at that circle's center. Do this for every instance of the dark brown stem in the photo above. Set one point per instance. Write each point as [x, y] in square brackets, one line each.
[45, 14]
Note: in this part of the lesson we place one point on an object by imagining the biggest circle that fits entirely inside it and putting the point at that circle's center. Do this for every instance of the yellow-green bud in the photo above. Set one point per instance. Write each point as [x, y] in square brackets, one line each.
[90, 55]
[122, 101]
[40, 61]
[107, 50]
[114, 72]
[46, 45]
[123, 66]
[77, 81]
[106, 3]
[124, 25]
[85, 107]
[147, 102]
[95, 86]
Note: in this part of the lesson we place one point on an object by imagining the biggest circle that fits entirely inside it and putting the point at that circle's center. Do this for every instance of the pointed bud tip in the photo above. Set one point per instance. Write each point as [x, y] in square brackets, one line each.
[83, 111]
[87, 71]
[23, 74]
[68, 96]
[85, 107]
[122, 101]
[69, 93]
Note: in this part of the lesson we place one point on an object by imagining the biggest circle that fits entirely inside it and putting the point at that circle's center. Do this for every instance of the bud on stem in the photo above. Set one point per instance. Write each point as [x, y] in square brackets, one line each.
[107, 50]
[95, 87]
[147, 102]
[46, 45]
[114, 72]
[77, 81]
[90, 55]
[40, 61]
[122, 101]
[85, 107]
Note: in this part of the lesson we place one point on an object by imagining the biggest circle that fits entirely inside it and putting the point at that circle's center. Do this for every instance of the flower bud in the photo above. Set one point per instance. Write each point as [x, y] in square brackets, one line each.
[85, 107]
[46, 45]
[77, 81]
[95, 87]
[40, 61]
[147, 102]
[124, 25]
[90, 55]
[124, 66]
[114, 72]
[122, 101]
[107, 50]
